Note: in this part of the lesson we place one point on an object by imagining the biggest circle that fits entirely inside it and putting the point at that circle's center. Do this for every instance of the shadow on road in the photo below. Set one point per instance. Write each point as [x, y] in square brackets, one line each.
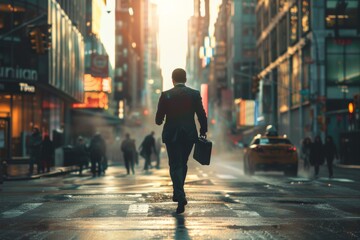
[181, 232]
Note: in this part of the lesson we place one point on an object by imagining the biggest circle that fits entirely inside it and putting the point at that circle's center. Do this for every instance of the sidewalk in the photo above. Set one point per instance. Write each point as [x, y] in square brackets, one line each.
[16, 172]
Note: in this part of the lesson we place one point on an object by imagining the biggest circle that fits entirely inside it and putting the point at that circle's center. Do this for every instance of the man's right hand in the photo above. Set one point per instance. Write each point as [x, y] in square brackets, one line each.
[203, 135]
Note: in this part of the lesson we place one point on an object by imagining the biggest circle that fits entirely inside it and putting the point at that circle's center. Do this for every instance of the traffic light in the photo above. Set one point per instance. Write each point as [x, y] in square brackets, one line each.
[255, 84]
[40, 38]
[35, 40]
[46, 36]
[351, 109]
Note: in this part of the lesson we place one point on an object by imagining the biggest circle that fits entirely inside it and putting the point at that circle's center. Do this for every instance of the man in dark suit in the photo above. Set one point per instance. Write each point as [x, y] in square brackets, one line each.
[179, 105]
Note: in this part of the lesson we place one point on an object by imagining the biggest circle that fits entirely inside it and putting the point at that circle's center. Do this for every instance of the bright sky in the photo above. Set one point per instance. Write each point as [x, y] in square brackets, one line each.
[173, 18]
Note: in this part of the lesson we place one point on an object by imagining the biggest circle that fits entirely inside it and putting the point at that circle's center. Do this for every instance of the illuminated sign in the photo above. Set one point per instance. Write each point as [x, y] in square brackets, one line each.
[246, 112]
[18, 73]
[94, 100]
[17, 88]
[97, 84]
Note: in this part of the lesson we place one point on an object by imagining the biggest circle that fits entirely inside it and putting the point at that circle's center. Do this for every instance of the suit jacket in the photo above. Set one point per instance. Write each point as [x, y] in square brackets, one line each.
[178, 107]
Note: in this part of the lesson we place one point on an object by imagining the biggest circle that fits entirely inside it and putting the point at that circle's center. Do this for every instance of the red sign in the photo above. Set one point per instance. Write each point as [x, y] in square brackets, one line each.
[94, 100]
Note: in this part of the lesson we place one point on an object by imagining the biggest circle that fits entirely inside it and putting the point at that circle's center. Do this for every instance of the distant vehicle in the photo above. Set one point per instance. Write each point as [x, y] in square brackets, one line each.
[134, 120]
[271, 152]
[239, 144]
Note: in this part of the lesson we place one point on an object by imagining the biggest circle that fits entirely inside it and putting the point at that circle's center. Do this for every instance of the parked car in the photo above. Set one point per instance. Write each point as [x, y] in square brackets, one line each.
[271, 152]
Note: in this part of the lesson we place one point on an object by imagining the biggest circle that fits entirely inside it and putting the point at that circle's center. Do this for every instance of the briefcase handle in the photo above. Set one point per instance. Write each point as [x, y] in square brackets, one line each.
[202, 136]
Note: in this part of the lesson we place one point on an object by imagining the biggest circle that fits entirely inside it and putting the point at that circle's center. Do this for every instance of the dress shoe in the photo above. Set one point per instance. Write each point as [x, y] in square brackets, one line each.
[181, 208]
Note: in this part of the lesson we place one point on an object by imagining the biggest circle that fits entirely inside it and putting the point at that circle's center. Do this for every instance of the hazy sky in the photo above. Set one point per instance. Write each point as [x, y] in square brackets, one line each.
[173, 17]
[173, 20]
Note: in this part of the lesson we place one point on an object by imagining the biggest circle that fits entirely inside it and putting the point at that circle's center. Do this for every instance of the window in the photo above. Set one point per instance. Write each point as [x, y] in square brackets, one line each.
[295, 80]
[283, 4]
[273, 48]
[294, 26]
[273, 9]
[306, 55]
[343, 61]
[266, 141]
[305, 16]
[283, 86]
[283, 33]
[118, 72]
[342, 15]
[119, 40]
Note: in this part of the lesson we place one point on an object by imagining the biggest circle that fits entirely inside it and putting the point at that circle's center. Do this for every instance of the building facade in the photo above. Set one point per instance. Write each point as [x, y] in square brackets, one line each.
[41, 70]
[129, 49]
[308, 53]
[97, 112]
[198, 30]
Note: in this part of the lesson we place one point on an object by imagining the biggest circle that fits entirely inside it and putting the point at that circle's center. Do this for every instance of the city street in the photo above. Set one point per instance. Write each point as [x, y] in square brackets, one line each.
[223, 204]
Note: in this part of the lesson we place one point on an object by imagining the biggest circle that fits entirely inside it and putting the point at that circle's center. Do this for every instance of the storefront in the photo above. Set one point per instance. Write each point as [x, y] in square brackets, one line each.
[39, 77]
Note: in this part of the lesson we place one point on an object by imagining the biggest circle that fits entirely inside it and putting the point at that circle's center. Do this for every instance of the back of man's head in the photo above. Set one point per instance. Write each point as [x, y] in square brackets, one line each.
[179, 75]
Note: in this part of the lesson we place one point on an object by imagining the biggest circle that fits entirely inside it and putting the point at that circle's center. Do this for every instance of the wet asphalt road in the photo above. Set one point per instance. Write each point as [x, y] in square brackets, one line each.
[223, 204]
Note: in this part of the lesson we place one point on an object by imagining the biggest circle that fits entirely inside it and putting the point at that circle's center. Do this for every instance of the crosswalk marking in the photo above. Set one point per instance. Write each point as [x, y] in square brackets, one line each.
[138, 210]
[225, 176]
[244, 213]
[23, 208]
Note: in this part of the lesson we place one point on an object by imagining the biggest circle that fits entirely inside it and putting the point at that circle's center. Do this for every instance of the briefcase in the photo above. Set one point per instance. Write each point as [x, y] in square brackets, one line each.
[202, 151]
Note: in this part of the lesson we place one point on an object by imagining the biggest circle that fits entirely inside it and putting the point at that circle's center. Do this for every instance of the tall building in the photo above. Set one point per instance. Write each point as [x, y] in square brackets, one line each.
[241, 47]
[309, 55]
[97, 112]
[234, 63]
[41, 70]
[198, 30]
[152, 73]
[129, 48]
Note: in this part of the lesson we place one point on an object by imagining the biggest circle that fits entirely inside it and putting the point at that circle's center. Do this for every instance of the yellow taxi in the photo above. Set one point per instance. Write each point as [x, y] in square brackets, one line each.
[271, 152]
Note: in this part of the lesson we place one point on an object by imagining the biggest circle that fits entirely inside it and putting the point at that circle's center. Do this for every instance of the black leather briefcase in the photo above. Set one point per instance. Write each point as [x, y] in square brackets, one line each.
[202, 151]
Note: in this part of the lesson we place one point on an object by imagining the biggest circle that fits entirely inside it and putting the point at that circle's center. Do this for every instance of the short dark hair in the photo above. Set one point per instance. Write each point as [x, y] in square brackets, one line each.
[179, 75]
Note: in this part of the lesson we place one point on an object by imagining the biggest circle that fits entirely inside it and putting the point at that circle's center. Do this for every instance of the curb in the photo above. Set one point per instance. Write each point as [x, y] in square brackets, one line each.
[348, 166]
[60, 171]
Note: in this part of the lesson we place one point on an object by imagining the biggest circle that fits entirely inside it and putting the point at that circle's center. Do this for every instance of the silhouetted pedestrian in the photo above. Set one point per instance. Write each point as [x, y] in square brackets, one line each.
[47, 153]
[35, 142]
[146, 148]
[317, 156]
[128, 148]
[97, 154]
[330, 153]
[305, 152]
[82, 154]
[178, 107]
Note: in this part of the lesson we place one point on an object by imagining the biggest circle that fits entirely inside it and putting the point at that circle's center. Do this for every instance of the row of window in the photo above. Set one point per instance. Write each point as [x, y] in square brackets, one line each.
[337, 16]
[342, 69]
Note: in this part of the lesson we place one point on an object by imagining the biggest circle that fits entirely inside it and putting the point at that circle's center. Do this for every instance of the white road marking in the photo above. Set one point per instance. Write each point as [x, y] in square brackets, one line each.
[225, 176]
[138, 210]
[245, 214]
[336, 179]
[23, 208]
